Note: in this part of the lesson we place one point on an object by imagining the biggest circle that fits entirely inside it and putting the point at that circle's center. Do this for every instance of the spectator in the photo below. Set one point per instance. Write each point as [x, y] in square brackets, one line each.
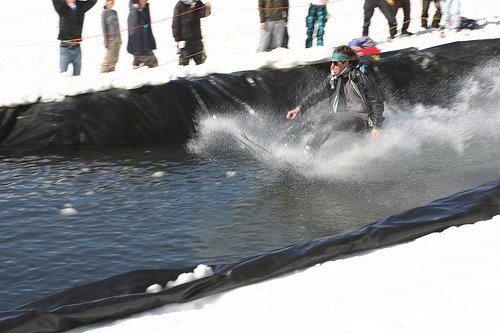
[71, 15]
[186, 28]
[425, 11]
[451, 15]
[273, 20]
[112, 37]
[141, 41]
[316, 18]
[405, 4]
[370, 6]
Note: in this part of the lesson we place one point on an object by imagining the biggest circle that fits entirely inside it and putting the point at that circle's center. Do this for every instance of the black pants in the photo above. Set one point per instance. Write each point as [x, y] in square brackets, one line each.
[425, 11]
[192, 50]
[370, 6]
[405, 4]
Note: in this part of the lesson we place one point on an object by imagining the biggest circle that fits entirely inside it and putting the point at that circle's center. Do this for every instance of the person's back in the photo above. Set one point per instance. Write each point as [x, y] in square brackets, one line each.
[273, 10]
[186, 30]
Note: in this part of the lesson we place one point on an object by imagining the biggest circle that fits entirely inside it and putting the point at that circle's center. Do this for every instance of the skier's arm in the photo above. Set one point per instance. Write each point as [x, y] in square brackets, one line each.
[374, 98]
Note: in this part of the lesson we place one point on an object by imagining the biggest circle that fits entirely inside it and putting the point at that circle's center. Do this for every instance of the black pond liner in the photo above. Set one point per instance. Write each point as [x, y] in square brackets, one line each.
[124, 294]
[167, 113]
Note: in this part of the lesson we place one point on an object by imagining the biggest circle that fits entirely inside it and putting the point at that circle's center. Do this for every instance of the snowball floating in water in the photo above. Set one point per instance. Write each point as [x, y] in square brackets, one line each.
[67, 211]
[154, 288]
[158, 174]
[199, 272]
[230, 173]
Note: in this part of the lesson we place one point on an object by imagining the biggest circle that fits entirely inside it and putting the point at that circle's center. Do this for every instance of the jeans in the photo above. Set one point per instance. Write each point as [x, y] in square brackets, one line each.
[68, 56]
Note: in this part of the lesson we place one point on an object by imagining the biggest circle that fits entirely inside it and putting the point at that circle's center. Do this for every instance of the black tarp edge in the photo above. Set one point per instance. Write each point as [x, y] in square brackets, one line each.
[85, 304]
[167, 113]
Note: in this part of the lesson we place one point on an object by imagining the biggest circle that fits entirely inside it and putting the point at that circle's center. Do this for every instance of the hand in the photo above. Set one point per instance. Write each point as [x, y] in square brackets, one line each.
[292, 114]
[263, 25]
[376, 133]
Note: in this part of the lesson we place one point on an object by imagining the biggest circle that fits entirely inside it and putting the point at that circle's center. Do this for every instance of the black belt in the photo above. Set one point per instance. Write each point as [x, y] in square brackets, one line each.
[70, 46]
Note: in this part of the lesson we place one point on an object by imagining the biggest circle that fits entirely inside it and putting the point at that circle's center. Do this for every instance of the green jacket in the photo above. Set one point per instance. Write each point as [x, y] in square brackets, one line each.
[278, 10]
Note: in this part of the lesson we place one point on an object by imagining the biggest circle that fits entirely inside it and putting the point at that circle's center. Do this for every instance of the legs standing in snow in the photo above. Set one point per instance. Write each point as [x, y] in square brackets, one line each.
[316, 18]
[425, 11]
[370, 6]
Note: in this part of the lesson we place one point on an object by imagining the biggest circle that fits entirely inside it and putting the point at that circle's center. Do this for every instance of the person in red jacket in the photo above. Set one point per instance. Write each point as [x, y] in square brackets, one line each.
[186, 28]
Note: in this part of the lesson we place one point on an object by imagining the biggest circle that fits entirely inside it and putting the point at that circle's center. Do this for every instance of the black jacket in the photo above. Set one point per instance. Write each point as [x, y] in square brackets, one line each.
[140, 33]
[71, 21]
[273, 10]
[186, 22]
[365, 86]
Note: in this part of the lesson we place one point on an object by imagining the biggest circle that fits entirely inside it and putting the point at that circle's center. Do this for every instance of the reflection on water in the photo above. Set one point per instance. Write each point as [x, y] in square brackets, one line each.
[218, 200]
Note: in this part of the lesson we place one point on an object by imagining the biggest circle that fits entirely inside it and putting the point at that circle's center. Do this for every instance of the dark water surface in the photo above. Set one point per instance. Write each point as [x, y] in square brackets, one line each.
[214, 202]
[160, 207]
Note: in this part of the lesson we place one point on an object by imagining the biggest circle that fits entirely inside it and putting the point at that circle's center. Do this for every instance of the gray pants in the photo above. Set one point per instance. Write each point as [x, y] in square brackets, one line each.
[111, 57]
[272, 36]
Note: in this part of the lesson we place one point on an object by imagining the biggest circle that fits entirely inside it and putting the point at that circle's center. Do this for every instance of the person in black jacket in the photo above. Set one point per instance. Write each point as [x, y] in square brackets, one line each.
[351, 93]
[186, 28]
[71, 16]
[141, 41]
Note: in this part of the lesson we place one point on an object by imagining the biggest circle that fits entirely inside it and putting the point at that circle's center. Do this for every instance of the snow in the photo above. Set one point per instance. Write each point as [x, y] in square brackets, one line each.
[29, 50]
[443, 282]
